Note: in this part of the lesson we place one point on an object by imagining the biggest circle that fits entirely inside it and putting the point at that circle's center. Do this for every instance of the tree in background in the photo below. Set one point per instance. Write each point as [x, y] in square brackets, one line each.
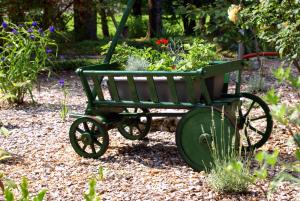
[85, 20]
[155, 18]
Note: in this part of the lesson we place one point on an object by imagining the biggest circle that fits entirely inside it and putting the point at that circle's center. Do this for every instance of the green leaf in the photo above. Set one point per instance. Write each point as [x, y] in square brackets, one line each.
[298, 154]
[40, 196]
[8, 195]
[24, 188]
[4, 131]
[259, 157]
[272, 159]
[4, 155]
[271, 97]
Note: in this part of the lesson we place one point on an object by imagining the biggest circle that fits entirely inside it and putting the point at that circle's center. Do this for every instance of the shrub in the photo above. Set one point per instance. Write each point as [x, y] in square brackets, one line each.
[24, 53]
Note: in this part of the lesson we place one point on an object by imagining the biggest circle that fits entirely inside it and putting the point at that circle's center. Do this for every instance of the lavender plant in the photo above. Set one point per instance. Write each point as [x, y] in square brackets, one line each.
[64, 108]
[24, 51]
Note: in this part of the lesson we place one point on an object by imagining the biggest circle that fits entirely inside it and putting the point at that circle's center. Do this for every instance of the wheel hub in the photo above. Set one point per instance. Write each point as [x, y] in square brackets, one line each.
[86, 138]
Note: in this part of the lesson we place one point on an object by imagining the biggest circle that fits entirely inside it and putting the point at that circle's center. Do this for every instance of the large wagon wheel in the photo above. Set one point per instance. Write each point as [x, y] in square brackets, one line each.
[254, 121]
[135, 127]
[196, 132]
[88, 137]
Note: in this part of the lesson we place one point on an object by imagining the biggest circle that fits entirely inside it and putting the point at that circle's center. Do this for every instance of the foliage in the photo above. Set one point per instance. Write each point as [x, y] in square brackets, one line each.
[276, 22]
[91, 195]
[64, 108]
[168, 55]
[215, 25]
[24, 53]
[8, 187]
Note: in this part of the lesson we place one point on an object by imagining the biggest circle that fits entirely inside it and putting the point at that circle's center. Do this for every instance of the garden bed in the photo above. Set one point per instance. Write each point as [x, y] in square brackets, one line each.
[146, 170]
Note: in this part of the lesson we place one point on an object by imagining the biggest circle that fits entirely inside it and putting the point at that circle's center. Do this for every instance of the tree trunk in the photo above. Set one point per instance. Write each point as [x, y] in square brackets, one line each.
[85, 20]
[104, 22]
[155, 20]
[137, 8]
[50, 12]
[189, 24]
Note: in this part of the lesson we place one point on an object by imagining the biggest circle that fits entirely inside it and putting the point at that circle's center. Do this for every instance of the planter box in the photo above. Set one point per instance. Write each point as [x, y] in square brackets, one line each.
[214, 85]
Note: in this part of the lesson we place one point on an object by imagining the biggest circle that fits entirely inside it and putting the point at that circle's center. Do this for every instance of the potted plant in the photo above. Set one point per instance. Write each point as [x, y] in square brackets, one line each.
[172, 56]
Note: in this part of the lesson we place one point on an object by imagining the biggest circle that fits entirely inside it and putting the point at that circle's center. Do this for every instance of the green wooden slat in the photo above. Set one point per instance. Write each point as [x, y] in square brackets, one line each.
[113, 88]
[152, 89]
[87, 89]
[119, 30]
[172, 87]
[97, 87]
[190, 89]
[204, 92]
[132, 88]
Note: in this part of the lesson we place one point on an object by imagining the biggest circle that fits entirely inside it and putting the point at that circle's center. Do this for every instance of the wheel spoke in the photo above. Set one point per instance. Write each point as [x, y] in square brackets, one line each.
[139, 129]
[93, 128]
[79, 130]
[93, 148]
[98, 143]
[84, 147]
[255, 130]
[258, 118]
[251, 106]
[86, 127]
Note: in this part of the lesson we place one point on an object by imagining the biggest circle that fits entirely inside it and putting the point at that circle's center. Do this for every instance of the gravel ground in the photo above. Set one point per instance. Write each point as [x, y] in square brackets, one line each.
[143, 170]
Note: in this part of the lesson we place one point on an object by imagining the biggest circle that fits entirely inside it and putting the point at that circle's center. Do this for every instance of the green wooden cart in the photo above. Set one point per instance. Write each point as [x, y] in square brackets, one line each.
[125, 100]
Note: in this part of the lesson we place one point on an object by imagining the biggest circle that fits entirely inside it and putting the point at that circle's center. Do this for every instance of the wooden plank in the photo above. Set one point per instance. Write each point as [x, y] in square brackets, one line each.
[132, 88]
[172, 87]
[97, 87]
[113, 88]
[152, 89]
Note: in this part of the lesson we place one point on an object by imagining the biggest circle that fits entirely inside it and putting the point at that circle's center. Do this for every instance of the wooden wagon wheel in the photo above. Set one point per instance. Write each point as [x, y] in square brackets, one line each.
[196, 132]
[88, 137]
[254, 121]
[135, 128]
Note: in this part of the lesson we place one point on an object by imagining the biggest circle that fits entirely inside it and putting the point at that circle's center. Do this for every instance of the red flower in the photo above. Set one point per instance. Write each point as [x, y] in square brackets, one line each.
[163, 41]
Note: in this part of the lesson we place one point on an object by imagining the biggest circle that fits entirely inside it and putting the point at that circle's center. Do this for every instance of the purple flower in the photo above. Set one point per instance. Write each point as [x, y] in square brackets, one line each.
[40, 30]
[31, 36]
[34, 24]
[30, 30]
[52, 29]
[62, 82]
[21, 25]
[4, 25]
[14, 31]
[2, 58]
[48, 50]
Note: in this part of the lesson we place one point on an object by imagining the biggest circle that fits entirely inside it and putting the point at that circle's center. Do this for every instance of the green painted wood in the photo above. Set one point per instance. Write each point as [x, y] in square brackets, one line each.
[118, 32]
[132, 88]
[152, 89]
[190, 89]
[204, 92]
[113, 88]
[87, 89]
[172, 87]
[97, 87]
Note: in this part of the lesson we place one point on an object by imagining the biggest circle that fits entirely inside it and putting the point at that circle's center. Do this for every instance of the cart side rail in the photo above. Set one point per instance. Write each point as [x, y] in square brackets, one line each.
[93, 79]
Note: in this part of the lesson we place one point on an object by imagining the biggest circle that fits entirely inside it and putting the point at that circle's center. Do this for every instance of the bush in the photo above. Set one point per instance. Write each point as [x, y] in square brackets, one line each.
[24, 53]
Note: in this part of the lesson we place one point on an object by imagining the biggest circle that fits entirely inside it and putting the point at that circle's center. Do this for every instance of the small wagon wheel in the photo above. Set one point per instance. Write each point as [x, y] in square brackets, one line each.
[254, 121]
[88, 137]
[135, 127]
[196, 132]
